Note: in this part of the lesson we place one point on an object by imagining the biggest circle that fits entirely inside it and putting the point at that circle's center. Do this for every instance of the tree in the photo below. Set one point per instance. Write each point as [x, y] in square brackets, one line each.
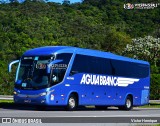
[147, 48]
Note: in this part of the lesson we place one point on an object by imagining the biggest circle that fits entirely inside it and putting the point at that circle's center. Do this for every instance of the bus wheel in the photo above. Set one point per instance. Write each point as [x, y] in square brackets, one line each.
[128, 104]
[72, 103]
[101, 107]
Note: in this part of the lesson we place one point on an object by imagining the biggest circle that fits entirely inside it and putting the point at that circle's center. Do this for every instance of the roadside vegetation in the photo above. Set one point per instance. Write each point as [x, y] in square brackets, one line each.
[151, 105]
[6, 101]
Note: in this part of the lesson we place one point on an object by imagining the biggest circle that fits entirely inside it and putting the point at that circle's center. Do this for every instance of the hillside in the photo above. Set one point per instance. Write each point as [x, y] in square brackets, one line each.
[101, 24]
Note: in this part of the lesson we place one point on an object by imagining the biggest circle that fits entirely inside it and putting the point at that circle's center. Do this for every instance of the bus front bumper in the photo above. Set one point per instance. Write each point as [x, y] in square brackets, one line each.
[30, 99]
[39, 99]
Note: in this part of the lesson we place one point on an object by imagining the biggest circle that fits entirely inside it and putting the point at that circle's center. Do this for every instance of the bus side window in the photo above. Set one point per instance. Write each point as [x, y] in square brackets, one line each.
[90, 64]
[79, 65]
[129, 69]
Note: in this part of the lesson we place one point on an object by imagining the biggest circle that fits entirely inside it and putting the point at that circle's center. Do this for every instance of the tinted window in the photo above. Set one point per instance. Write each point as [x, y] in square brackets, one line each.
[97, 65]
[90, 64]
[129, 69]
[64, 56]
[59, 69]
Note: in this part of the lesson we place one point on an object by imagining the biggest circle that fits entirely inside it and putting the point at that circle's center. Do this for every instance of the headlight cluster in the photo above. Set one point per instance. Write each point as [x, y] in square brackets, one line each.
[43, 94]
[15, 93]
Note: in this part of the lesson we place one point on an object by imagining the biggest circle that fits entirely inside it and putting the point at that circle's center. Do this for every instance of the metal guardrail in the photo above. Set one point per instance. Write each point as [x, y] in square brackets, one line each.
[154, 101]
[6, 97]
[9, 97]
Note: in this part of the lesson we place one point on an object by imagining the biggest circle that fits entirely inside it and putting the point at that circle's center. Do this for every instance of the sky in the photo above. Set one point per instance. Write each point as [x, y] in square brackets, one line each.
[60, 1]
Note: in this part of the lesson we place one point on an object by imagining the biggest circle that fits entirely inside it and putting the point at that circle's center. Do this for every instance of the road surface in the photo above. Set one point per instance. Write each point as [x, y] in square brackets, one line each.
[83, 115]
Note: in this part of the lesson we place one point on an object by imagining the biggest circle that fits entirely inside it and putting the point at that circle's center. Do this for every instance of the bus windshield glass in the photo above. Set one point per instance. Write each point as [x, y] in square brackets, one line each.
[32, 73]
[59, 69]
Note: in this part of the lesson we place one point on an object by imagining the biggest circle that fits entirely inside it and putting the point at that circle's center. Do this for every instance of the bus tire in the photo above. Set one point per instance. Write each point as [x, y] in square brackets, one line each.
[101, 107]
[72, 103]
[128, 104]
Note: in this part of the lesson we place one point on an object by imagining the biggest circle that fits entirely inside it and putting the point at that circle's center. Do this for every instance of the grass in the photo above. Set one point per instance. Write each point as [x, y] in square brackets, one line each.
[6, 101]
[151, 105]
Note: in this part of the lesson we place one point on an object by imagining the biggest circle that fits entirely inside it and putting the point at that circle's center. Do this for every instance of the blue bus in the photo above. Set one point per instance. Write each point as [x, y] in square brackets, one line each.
[71, 77]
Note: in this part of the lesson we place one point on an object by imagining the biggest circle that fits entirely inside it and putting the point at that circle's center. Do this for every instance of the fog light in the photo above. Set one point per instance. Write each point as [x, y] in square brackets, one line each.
[43, 101]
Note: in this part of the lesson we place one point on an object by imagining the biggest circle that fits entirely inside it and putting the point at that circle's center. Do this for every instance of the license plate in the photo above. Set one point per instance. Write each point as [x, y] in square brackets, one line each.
[27, 101]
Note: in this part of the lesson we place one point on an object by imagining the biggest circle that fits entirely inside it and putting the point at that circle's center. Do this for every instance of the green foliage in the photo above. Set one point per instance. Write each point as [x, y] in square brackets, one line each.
[155, 83]
[155, 87]
[96, 24]
[147, 48]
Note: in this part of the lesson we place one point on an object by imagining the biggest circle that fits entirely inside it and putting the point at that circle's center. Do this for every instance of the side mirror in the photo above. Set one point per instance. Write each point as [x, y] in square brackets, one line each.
[10, 65]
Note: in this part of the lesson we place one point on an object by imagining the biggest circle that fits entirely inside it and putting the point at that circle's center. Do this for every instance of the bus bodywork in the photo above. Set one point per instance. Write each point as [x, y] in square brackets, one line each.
[70, 76]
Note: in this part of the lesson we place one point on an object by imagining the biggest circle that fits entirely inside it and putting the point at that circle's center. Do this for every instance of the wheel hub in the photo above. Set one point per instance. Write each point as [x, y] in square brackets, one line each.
[128, 103]
[72, 102]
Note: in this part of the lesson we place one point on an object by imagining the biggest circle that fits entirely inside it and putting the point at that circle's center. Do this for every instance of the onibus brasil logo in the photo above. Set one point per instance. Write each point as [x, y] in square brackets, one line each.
[90, 79]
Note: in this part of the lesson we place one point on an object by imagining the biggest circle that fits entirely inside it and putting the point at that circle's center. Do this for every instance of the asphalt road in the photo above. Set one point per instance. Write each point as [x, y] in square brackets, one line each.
[92, 115]
[23, 111]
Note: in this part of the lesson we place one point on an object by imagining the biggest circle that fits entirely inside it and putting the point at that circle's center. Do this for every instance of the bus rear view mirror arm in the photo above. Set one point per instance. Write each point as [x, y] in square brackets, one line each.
[10, 65]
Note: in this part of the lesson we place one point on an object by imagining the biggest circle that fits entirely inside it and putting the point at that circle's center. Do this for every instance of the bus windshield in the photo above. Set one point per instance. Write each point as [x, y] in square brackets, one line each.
[59, 69]
[32, 73]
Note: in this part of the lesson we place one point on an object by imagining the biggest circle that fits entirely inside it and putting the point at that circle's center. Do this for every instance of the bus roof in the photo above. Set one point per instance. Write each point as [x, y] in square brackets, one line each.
[44, 51]
[50, 50]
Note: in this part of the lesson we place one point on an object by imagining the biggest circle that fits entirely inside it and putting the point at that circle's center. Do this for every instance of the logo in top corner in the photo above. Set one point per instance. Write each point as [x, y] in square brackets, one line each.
[128, 6]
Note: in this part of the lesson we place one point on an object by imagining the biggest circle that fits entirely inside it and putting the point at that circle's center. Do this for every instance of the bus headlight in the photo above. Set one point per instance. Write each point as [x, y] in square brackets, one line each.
[15, 93]
[43, 94]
